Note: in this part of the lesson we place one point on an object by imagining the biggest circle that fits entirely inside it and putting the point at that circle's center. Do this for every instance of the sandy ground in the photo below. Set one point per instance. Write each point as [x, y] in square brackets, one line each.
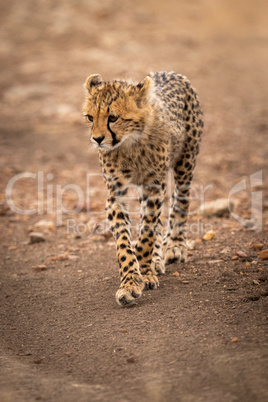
[202, 336]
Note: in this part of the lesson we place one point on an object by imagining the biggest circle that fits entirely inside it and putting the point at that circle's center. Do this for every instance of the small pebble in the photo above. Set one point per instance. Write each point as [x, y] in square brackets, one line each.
[124, 331]
[38, 361]
[235, 257]
[235, 340]
[131, 359]
[264, 254]
[119, 349]
[176, 274]
[209, 235]
[36, 237]
[241, 254]
[257, 246]
[218, 207]
[39, 267]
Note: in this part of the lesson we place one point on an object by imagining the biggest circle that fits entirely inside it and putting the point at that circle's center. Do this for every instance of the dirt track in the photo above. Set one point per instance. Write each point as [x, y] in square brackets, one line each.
[63, 337]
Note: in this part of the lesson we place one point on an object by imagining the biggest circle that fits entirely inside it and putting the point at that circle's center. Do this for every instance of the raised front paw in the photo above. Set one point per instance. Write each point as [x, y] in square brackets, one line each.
[176, 253]
[130, 290]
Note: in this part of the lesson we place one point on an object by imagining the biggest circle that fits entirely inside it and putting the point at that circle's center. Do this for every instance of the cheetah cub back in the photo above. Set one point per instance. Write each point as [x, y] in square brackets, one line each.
[140, 131]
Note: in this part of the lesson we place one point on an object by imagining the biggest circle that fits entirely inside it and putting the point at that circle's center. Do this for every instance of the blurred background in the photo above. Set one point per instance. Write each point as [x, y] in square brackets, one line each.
[48, 48]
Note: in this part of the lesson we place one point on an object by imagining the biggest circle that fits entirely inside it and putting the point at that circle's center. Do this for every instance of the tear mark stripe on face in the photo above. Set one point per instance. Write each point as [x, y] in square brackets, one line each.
[115, 140]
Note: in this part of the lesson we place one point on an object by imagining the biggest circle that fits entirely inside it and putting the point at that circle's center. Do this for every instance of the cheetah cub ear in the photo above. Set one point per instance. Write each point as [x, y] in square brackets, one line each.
[143, 92]
[92, 81]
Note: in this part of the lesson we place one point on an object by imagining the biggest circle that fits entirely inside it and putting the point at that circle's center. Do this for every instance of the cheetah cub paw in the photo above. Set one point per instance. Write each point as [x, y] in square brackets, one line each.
[150, 281]
[130, 291]
[176, 254]
[158, 266]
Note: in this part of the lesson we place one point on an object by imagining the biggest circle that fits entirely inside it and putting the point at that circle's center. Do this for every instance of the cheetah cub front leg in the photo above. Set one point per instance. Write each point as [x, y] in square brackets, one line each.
[149, 245]
[132, 284]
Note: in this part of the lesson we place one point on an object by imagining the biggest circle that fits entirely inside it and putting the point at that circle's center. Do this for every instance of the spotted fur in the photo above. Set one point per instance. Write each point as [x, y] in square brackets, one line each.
[141, 130]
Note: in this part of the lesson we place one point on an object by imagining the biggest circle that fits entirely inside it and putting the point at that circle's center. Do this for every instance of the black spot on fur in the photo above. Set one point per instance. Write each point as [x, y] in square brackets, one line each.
[145, 240]
[150, 204]
[120, 215]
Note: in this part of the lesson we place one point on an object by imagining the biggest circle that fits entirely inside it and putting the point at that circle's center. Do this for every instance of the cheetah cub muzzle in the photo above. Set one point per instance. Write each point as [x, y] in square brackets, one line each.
[140, 131]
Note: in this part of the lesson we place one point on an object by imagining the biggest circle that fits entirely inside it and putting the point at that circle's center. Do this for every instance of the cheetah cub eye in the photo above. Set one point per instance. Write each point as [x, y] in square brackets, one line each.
[89, 117]
[112, 118]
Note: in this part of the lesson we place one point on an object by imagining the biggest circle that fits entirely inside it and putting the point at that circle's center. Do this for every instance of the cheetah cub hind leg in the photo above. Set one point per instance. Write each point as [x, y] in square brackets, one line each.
[157, 264]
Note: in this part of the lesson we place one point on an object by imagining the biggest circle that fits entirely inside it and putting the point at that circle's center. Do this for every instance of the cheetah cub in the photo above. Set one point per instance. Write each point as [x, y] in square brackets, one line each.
[141, 130]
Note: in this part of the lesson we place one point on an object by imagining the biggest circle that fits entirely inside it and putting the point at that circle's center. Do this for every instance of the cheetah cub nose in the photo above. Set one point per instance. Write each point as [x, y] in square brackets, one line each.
[99, 139]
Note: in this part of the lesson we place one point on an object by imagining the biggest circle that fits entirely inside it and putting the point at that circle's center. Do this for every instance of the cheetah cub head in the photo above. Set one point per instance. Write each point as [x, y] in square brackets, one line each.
[117, 111]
